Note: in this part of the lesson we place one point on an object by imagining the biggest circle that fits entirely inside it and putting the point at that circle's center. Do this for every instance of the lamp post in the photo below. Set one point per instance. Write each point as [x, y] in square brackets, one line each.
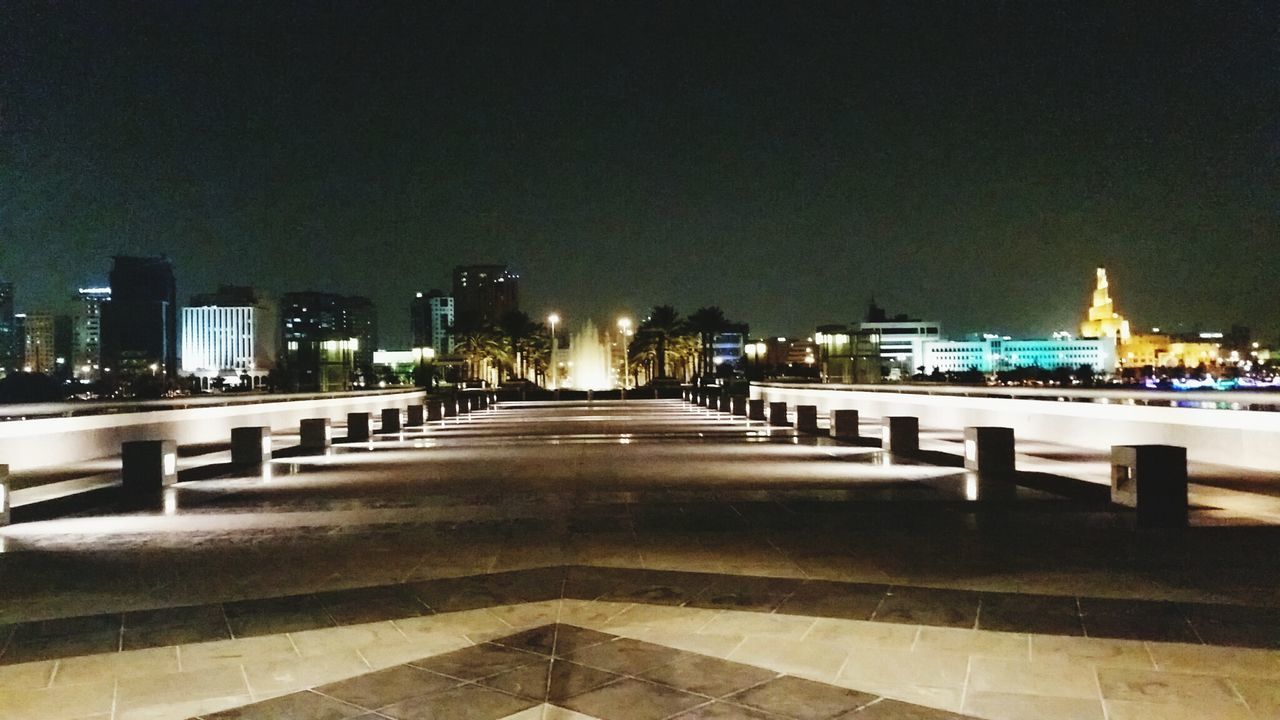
[552, 319]
[624, 325]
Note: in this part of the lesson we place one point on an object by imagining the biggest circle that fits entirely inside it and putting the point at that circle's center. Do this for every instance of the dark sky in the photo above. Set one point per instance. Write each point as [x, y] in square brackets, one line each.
[970, 162]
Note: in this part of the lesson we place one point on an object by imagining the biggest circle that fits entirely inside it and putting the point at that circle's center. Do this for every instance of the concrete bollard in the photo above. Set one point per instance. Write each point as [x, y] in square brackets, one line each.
[684, 394]
[1153, 480]
[357, 426]
[900, 434]
[435, 410]
[475, 403]
[778, 414]
[147, 467]
[724, 403]
[413, 415]
[698, 399]
[844, 424]
[6, 501]
[710, 400]
[738, 405]
[251, 445]
[989, 450]
[484, 400]
[316, 433]
[755, 409]
[390, 420]
[464, 404]
[807, 418]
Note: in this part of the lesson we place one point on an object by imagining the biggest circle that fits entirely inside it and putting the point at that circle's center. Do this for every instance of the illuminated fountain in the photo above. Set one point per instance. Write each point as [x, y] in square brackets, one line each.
[588, 366]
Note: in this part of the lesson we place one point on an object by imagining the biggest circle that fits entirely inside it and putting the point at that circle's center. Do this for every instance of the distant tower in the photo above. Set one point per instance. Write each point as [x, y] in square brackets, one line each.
[86, 354]
[140, 321]
[1103, 320]
[483, 293]
[9, 339]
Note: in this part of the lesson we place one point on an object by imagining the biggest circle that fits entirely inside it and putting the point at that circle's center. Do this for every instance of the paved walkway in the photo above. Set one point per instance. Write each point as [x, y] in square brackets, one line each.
[707, 567]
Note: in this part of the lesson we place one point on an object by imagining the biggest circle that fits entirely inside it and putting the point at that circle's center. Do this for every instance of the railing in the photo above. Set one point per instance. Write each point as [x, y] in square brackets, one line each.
[71, 408]
[1203, 399]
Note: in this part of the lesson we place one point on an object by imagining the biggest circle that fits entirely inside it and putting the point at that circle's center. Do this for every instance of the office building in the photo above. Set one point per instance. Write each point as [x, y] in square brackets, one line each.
[902, 340]
[329, 340]
[483, 293]
[140, 321]
[38, 353]
[232, 335]
[728, 347]
[9, 338]
[846, 356]
[993, 353]
[432, 318]
[86, 333]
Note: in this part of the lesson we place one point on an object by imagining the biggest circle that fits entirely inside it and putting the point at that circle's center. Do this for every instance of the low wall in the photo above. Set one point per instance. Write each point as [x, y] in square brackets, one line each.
[1241, 438]
[41, 442]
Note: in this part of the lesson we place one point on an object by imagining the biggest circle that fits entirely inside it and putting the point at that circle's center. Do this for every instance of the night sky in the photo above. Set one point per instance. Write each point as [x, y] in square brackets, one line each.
[970, 162]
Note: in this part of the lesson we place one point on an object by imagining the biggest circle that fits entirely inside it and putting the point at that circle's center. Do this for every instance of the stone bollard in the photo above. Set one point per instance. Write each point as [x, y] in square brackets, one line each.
[6, 502]
[475, 403]
[1153, 480]
[755, 409]
[357, 426]
[778, 414]
[844, 424]
[698, 399]
[807, 418]
[464, 404]
[738, 405]
[484, 400]
[390, 420]
[900, 434]
[147, 467]
[413, 415]
[724, 402]
[684, 394]
[316, 433]
[435, 410]
[251, 445]
[989, 450]
[710, 400]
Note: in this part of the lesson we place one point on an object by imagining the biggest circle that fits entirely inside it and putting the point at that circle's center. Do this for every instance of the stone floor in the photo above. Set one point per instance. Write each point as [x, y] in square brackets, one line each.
[638, 559]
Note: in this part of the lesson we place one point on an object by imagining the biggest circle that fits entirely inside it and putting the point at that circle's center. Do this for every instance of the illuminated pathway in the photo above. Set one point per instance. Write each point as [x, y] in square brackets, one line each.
[673, 562]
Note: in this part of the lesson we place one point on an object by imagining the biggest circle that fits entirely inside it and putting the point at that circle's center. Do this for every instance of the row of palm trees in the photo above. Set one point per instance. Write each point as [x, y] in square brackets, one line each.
[665, 345]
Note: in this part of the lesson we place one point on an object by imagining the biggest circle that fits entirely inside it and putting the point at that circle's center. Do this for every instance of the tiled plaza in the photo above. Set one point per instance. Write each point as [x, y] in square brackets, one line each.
[638, 559]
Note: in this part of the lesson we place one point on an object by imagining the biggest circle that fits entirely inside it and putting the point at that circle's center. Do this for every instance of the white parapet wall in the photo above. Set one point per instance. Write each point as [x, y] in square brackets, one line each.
[42, 442]
[1241, 438]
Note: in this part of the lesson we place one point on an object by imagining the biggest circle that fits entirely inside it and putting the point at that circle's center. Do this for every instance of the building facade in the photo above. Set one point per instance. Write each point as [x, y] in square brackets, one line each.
[230, 338]
[329, 340]
[994, 353]
[484, 293]
[38, 352]
[432, 318]
[140, 321]
[86, 334]
[9, 338]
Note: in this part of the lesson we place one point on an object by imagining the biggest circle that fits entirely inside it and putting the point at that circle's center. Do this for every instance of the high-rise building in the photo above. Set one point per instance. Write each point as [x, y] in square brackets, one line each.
[483, 293]
[140, 321]
[1103, 321]
[329, 339]
[432, 319]
[9, 337]
[38, 353]
[86, 333]
[231, 334]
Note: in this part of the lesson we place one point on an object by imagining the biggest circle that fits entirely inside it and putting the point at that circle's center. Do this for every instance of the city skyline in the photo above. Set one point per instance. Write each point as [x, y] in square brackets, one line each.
[785, 165]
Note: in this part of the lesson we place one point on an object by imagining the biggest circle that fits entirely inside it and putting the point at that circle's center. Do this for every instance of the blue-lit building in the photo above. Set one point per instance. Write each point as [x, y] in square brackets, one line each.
[992, 353]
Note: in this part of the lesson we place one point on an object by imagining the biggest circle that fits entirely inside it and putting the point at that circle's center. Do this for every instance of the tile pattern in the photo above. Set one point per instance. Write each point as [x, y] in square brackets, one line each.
[1193, 623]
[593, 674]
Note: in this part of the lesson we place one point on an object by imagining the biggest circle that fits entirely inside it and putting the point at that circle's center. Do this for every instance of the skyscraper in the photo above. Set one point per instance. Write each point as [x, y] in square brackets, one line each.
[140, 321]
[431, 317]
[86, 334]
[328, 339]
[38, 354]
[482, 293]
[8, 332]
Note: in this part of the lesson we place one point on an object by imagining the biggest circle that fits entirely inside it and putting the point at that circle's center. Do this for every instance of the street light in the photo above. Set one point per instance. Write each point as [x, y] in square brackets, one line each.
[552, 319]
[624, 325]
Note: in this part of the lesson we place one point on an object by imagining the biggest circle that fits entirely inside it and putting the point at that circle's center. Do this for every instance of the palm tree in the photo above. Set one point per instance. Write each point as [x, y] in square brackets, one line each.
[706, 322]
[535, 351]
[478, 344]
[663, 323]
[515, 326]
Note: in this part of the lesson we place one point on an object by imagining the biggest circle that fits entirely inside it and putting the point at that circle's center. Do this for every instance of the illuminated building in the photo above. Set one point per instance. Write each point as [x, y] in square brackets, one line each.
[432, 317]
[8, 331]
[140, 320]
[329, 340]
[38, 354]
[483, 293]
[1103, 321]
[848, 357]
[86, 334]
[729, 345]
[902, 339]
[231, 334]
[993, 353]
